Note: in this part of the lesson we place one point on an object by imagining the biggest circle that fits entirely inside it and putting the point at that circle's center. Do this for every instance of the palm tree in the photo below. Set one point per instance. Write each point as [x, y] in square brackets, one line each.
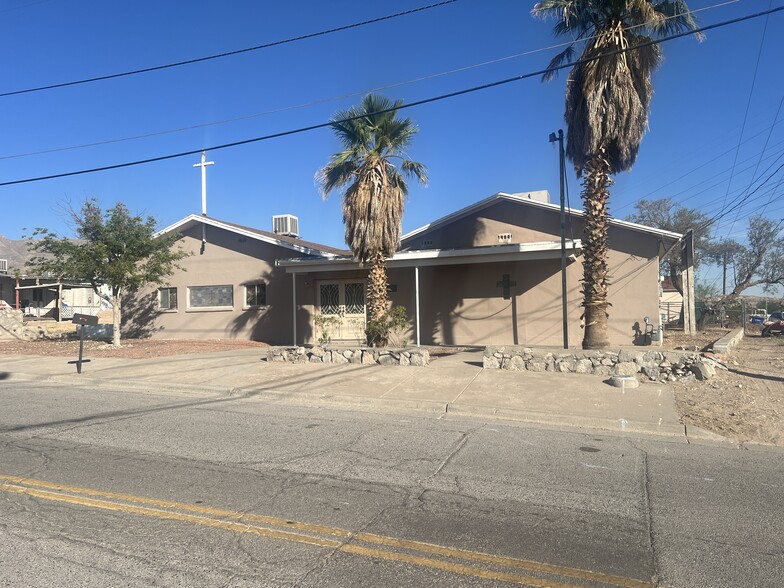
[374, 187]
[608, 95]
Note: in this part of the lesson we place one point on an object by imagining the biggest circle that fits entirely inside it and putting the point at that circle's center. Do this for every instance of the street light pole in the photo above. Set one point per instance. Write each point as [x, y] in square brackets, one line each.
[562, 170]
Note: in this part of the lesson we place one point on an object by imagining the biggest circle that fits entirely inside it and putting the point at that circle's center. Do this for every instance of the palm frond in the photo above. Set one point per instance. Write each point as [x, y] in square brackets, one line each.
[564, 56]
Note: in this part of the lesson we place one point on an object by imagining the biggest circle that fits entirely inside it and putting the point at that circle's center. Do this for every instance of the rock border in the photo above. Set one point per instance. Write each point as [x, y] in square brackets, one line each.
[661, 366]
[415, 356]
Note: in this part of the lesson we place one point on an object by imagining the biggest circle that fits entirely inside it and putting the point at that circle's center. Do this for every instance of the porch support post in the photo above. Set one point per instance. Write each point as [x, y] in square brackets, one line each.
[60, 302]
[17, 293]
[294, 308]
[416, 290]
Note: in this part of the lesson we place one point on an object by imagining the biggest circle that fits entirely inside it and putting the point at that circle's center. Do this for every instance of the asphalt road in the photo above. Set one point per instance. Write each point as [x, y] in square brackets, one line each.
[108, 488]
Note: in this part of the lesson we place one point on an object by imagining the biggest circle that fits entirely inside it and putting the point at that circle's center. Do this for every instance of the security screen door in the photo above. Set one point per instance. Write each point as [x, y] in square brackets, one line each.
[344, 300]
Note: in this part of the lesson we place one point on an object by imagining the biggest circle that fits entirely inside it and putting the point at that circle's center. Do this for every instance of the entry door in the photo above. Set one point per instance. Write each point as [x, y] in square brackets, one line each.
[344, 300]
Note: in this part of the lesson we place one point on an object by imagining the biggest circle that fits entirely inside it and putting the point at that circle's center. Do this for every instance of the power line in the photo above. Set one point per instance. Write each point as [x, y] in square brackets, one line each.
[748, 103]
[695, 169]
[404, 106]
[226, 53]
[330, 99]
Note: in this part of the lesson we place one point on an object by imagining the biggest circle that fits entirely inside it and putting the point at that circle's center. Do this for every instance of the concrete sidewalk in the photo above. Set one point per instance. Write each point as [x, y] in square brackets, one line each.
[455, 385]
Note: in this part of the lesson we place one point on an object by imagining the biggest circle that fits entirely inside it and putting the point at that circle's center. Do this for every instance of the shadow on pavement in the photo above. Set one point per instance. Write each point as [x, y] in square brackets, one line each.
[758, 376]
[4, 375]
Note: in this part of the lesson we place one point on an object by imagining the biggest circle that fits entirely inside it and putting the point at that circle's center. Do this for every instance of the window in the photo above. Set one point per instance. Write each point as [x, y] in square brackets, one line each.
[38, 295]
[256, 295]
[427, 242]
[211, 297]
[167, 298]
[505, 237]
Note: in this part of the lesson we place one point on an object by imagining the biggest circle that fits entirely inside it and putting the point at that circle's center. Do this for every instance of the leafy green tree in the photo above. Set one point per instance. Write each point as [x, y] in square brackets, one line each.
[111, 248]
[608, 95]
[668, 215]
[372, 170]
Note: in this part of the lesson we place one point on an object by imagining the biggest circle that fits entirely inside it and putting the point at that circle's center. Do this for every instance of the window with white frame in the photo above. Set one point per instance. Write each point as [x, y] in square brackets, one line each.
[167, 298]
[505, 237]
[211, 297]
[255, 295]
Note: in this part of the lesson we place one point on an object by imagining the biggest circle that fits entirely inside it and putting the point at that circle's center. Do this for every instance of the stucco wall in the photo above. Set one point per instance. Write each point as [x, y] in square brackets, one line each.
[462, 305]
[228, 259]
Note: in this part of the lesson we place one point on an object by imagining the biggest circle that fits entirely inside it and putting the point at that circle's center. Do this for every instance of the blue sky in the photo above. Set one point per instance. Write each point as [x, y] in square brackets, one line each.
[474, 146]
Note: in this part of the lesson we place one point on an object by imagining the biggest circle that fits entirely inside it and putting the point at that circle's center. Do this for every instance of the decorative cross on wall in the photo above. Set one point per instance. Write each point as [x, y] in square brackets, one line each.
[506, 285]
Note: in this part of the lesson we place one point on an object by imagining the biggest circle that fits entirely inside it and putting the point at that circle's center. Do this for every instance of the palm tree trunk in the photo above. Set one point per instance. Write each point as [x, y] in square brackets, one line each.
[377, 291]
[595, 284]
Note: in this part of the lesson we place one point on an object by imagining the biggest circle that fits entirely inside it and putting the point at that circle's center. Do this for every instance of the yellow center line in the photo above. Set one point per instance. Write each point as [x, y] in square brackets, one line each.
[51, 491]
[510, 562]
[278, 522]
[173, 516]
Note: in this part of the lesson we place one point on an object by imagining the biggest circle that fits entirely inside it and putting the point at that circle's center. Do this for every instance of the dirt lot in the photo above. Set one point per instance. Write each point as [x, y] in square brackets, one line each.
[131, 348]
[745, 403]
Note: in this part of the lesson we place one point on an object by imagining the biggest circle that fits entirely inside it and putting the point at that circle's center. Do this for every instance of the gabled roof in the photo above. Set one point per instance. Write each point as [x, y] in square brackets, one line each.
[306, 247]
[526, 199]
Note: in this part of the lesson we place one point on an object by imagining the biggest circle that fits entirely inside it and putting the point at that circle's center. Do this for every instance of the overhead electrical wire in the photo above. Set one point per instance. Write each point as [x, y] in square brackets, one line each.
[748, 102]
[330, 99]
[226, 53]
[430, 100]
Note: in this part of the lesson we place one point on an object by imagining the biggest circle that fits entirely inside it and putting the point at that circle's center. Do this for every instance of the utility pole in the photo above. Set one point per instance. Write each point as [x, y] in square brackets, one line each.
[562, 168]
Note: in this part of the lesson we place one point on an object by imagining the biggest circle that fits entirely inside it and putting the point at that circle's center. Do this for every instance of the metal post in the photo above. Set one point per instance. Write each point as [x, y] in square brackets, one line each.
[81, 349]
[416, 290]
[562, 173]
[294, 306]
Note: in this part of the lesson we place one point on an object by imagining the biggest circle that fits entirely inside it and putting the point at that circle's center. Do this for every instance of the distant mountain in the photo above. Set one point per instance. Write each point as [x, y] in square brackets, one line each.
[15, 252]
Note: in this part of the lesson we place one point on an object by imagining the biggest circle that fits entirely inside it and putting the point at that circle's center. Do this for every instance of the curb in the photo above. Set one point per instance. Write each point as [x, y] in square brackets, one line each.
[728, 341]
[431, 407]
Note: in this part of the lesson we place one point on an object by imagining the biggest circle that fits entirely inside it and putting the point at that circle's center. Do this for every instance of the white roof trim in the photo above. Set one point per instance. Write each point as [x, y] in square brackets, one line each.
[429, 257]
[546, 205]
[216, 223]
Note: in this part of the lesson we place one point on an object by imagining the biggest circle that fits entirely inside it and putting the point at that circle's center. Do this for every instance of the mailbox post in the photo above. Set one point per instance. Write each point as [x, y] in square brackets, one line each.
[82, 320]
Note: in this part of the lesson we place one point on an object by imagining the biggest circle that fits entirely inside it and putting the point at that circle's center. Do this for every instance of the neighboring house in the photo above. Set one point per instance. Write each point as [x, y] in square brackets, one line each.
[486, 274]
[670, 301]
[40, 297]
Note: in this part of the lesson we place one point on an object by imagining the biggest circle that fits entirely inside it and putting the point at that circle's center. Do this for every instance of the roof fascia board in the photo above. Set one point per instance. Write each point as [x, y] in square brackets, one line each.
[432, 257]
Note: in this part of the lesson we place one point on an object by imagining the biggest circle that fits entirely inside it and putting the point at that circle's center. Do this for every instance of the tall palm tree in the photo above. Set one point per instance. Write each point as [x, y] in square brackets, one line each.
[372, 171]
[608, 95]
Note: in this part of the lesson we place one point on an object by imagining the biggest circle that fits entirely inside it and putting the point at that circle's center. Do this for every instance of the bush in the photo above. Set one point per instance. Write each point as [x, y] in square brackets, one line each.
[389, 327]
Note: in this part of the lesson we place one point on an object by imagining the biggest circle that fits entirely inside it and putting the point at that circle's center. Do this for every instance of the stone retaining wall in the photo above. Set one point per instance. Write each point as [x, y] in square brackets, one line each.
[358, 355]
[12, 326]
[651, 365]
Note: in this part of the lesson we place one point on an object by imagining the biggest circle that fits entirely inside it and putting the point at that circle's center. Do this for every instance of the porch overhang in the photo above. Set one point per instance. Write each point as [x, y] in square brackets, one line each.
[432, 257]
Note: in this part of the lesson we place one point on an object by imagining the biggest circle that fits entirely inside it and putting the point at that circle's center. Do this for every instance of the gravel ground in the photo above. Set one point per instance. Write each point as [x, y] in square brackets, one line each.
[745, 403]
[130, 349]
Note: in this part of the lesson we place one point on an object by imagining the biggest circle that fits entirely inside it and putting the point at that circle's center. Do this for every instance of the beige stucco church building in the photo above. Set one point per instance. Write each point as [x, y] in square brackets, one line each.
[487, 274]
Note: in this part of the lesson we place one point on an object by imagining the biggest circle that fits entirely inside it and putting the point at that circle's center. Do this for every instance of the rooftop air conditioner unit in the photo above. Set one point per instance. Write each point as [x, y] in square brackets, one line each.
[285, 224]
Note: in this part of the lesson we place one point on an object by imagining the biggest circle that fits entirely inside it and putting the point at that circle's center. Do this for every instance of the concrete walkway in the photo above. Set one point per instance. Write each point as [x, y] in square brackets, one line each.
[454, 385]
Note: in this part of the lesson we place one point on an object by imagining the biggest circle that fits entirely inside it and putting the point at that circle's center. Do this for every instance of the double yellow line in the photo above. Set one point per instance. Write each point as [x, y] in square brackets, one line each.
[448, 559]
